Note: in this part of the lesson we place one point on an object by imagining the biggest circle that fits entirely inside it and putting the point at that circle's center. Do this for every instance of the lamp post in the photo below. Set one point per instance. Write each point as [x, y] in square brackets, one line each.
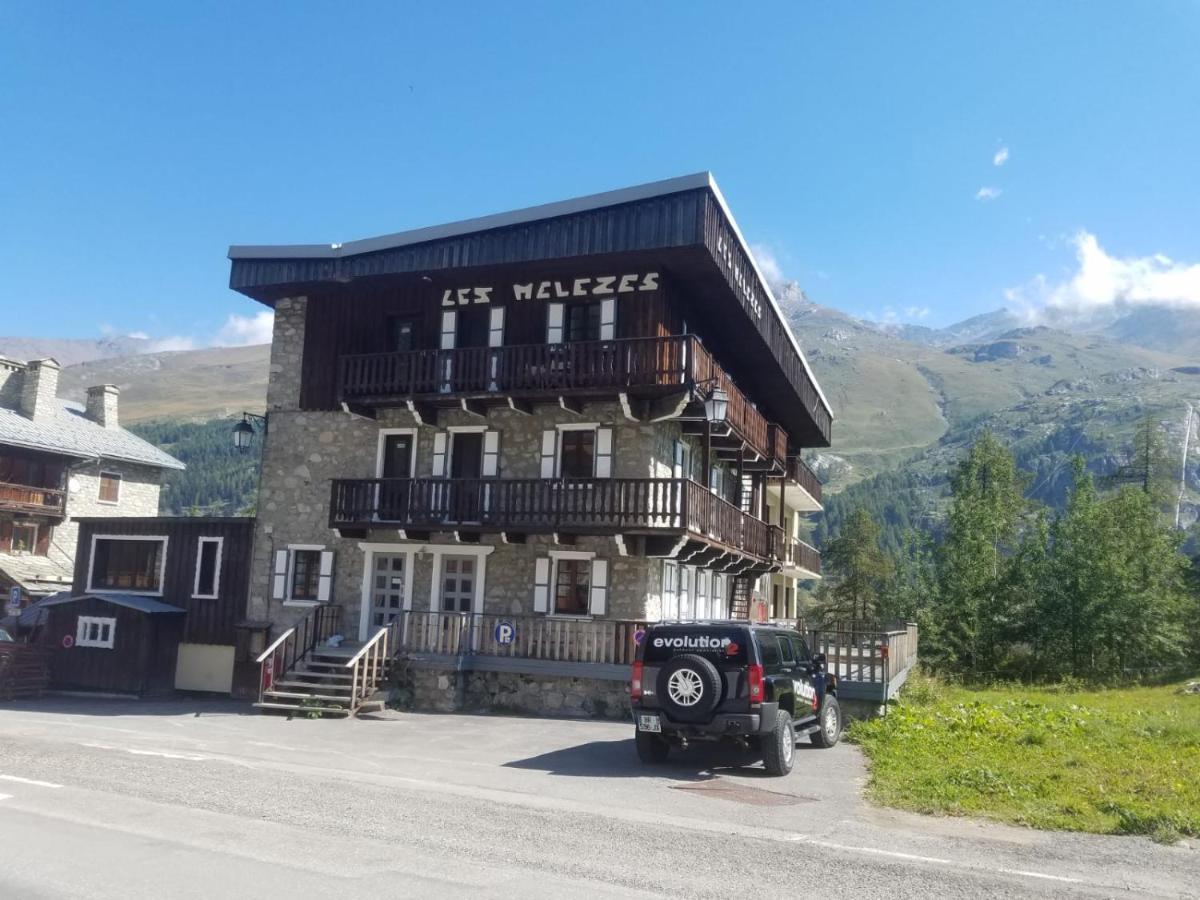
[716, 408]
[243, 432]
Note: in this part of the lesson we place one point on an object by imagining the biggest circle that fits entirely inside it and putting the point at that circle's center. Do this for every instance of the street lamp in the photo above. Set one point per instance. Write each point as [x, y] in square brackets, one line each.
[243, 431]
[716, 407]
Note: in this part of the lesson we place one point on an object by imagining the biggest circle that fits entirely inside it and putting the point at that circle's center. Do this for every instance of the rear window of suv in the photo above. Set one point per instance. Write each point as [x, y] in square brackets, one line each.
[727, 645]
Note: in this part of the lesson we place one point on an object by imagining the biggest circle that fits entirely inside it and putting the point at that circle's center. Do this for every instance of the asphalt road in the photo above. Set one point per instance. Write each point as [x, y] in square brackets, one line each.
[130, 800]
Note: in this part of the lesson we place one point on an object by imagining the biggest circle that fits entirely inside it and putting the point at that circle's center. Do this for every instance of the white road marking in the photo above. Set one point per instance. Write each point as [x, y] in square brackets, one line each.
[5, 797]
[934, 860]
[136, 752]
[33, 781]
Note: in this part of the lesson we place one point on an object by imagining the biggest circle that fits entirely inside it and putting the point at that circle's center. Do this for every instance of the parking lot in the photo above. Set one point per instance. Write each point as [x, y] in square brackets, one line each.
[142, 796]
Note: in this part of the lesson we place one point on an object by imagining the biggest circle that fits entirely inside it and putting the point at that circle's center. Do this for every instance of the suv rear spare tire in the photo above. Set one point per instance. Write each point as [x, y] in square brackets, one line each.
[779, 747]
[689, 688]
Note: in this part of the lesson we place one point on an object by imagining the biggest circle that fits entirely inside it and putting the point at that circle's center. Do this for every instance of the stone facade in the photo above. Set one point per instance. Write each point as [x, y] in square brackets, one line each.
[138, 496]
[444, 690]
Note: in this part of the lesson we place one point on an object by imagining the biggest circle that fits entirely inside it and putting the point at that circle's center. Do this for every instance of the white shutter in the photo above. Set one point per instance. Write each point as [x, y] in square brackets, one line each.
[496, 327]
[677, 460]
[449, 327]
[554, 323]
[325, 584]
[279, 581]
[549, 444]
[599, 599]
[439, 454]
[604, 452]
[541, 584]
[491, 454]
[608, 318]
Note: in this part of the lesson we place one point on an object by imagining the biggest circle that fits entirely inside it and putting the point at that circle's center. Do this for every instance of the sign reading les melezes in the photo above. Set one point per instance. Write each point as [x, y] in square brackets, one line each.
[597, 286]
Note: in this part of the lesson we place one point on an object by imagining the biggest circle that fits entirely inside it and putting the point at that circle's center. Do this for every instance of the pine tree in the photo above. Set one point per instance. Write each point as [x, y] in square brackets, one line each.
[980, 535]
[859, 568]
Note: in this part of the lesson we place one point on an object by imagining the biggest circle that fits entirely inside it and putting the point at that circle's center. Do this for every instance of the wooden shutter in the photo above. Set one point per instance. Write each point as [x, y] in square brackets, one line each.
[608, 318]
[279, 581]
[496, 326]
[449, 328]
[42, 547]
[541, 584]
[599, 599]
[325, 582]
[554, 323]
[604, 452]
[491, 454]
[439, 454]
[549, 445]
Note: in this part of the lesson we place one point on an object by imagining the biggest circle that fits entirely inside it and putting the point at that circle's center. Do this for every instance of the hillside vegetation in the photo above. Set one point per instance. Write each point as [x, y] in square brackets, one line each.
[218, 481]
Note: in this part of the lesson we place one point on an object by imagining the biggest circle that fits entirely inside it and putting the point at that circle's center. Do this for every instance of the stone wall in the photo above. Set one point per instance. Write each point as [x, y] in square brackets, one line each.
[138, 496]
[445, 690]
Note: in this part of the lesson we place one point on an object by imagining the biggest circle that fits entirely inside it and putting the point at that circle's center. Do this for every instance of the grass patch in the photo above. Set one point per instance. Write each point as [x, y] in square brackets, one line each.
[1120, 761]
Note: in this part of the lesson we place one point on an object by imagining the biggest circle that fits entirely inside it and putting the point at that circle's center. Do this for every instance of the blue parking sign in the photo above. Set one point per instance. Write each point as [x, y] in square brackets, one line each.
[505, 632]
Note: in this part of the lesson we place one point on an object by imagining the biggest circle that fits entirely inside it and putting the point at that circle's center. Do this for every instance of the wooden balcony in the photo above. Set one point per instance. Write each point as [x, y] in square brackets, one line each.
[627, 506]
[800, 474]
[642, 369]
[801, 560]
[38, 501]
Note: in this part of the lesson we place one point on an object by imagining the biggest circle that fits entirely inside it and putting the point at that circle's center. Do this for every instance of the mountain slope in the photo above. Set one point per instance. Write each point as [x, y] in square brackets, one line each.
[69, 351]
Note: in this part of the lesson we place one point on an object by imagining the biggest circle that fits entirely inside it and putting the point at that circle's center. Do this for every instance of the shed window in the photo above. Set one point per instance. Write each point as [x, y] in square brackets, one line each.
[110, 487]
[127, 565]
[93, 631]
[306, 574]
[208, 567]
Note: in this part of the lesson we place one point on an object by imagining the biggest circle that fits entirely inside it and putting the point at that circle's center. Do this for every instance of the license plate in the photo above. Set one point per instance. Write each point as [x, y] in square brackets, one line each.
[649, 723]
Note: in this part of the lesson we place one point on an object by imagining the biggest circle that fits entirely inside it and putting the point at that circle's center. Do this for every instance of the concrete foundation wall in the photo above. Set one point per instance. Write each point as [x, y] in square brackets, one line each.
[517, 693]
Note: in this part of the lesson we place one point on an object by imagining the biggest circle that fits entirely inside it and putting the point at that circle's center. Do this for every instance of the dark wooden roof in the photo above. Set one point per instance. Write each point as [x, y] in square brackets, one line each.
[682, 224]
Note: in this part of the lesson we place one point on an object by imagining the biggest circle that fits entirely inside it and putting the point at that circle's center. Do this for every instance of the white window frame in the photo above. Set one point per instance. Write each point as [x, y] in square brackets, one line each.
[665, 614]
[84, 623]
[12, 545]
[555, 556]
[216, 589]
[594, 427]
[100, 483]
[384, 433]
[288, 599]
[162, 563]
[451, 431]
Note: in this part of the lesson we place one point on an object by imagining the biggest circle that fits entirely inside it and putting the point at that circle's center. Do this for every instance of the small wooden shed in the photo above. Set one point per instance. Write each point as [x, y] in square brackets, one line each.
[117, 643]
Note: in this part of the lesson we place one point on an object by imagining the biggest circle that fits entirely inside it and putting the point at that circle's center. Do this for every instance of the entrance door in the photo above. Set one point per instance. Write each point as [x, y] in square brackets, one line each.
[458, 583]
[387, 588]
[466, 466]
[471, 341]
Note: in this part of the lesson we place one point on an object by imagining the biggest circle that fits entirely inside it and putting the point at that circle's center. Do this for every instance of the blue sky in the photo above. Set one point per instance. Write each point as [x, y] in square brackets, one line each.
[852, 141]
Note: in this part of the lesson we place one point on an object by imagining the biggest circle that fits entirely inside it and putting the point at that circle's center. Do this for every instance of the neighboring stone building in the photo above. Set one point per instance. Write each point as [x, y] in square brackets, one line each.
[61, 461]
[537, 429]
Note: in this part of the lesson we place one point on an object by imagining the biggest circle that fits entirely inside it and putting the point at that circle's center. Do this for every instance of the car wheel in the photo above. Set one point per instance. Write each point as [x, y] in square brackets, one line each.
[779, 747]
[830, 722]
[651, 748]
[689, 688]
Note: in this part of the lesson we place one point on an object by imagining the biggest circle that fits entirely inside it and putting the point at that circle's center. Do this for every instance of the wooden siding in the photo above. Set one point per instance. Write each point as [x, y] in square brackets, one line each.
[208, 621]
[141, 660]
[684, 236]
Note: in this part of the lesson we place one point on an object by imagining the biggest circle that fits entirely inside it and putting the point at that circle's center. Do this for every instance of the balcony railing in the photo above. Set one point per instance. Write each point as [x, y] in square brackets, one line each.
[608, 505]
[36, 500]
[799, 472]
[799, 555]
[645, 365]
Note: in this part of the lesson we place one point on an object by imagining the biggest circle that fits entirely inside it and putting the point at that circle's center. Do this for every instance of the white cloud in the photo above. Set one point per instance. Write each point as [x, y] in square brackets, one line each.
[893, 316]
[1001, 157]
[1104, 284]
[240, 331]
[984, 194]
[174, 342]
[917, 313]
[768, 264]
[138, 335]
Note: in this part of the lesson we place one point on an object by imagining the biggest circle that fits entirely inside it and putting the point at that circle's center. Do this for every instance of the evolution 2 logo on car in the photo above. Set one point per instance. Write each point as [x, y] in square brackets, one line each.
[756, 686]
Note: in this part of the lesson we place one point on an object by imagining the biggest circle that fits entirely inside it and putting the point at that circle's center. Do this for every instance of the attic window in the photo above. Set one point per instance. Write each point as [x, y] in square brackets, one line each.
[110, 487]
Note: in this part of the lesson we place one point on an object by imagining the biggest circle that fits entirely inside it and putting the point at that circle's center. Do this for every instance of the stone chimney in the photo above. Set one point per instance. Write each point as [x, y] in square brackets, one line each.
[39, 393]
[102, 404]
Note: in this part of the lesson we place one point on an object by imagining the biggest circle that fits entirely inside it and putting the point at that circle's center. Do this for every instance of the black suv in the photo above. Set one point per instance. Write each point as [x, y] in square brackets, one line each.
[755, 684]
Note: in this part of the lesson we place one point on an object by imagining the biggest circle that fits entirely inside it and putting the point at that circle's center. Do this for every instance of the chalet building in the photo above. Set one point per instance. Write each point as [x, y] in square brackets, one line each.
[551, 421]
[61, 460]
